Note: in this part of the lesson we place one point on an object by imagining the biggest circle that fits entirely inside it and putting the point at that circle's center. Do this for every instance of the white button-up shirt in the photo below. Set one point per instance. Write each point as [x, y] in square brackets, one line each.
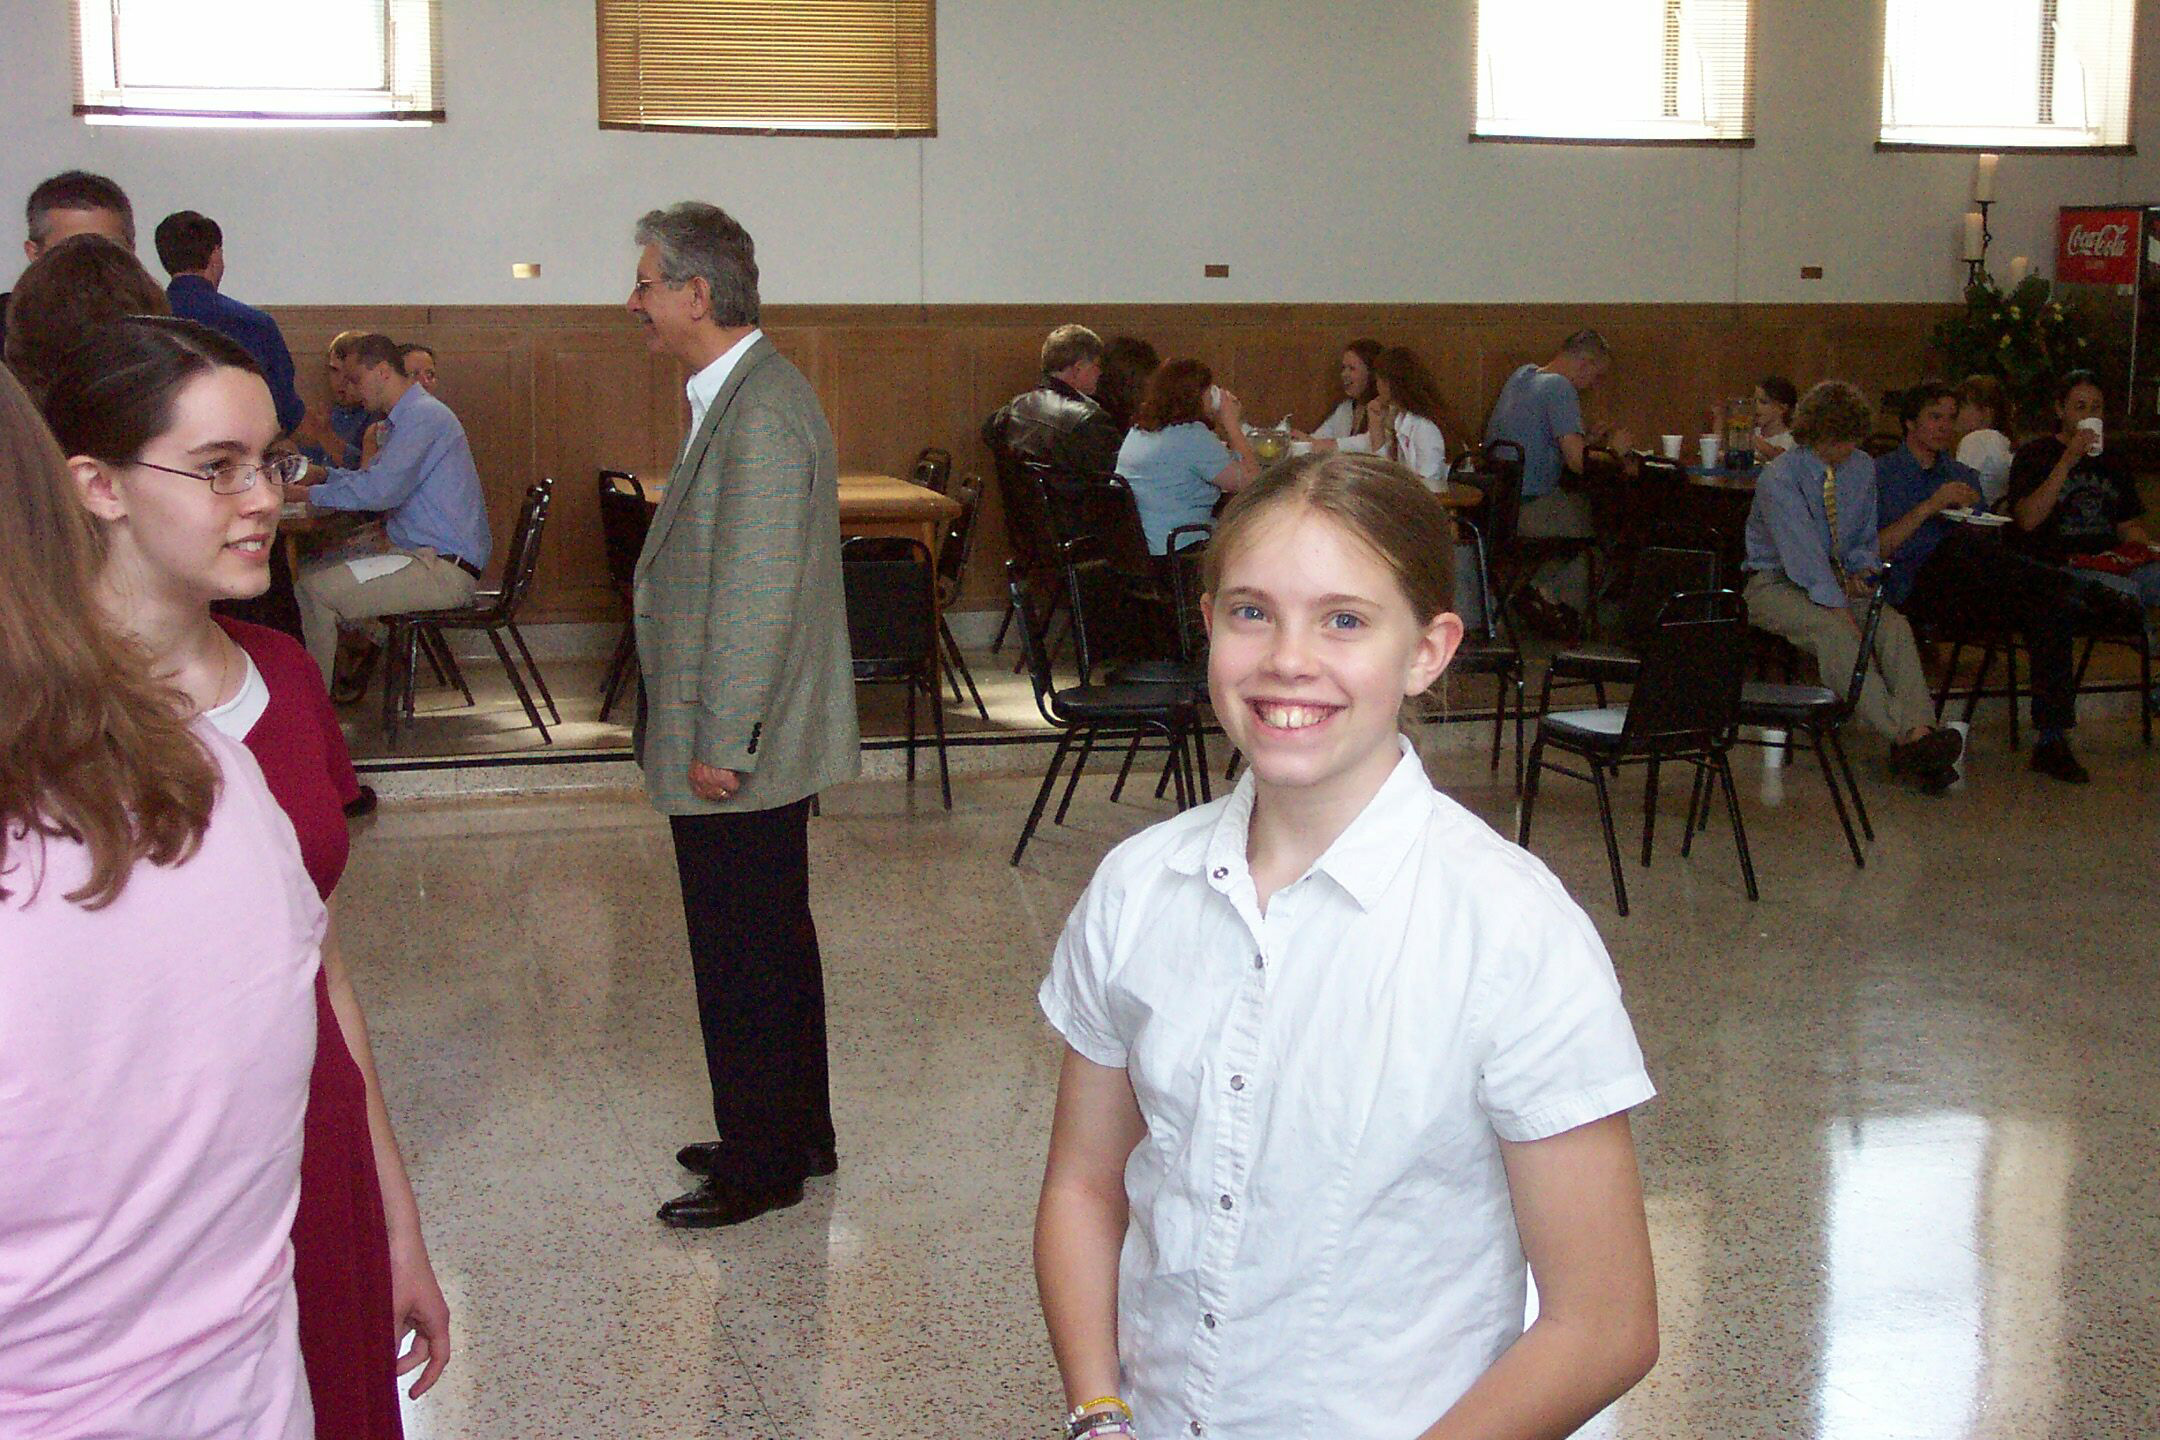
[704, 387]
[1321, 1242]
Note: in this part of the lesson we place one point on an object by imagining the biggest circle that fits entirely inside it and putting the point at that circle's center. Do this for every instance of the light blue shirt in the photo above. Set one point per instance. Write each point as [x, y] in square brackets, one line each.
[1172, 473]
[425, 478]
[1534, 410]
[1788, 527]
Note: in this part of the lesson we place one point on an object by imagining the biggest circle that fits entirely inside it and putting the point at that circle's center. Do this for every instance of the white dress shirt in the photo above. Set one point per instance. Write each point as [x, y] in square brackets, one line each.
[1321, 1242]
[1341, 421]
[1988, 451]
[1418, 444]
[705, 386]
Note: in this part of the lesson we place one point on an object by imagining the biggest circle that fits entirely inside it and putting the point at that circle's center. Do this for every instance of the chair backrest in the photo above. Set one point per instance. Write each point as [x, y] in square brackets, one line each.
[890, 587]
[1467, 532]
[1694, 662]
[625, 516]
[933, 469]
[1662, 572]
[1028, 532]
[1100, 508]
[1187, 552]
[1501, 477]
[959, 547]
[522, 560]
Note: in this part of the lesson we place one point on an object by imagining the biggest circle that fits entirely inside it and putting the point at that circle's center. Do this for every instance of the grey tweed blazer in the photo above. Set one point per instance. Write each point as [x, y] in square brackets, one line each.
[741, 623]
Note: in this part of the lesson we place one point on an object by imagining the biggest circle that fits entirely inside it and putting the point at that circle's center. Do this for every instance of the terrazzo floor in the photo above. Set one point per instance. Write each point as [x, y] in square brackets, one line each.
[1901, 1175]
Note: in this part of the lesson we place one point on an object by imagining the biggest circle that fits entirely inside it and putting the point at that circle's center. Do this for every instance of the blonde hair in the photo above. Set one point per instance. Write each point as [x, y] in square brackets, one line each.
[1382, 503]
[1831, 411]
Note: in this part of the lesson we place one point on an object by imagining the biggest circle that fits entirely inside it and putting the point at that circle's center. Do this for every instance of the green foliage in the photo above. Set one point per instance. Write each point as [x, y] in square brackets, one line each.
[2024, 338]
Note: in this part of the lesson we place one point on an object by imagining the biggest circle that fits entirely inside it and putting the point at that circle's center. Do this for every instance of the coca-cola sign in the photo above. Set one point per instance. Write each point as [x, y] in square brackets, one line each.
[2096, 247]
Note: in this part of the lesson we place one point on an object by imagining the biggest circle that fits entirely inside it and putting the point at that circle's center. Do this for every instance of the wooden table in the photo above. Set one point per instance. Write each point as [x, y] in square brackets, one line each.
[299, 521]
[880, 505]
[1459, 496]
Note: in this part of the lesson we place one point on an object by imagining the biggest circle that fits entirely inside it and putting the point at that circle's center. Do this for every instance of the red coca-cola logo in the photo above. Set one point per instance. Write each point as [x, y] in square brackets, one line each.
[2097, 247]
[2107, 242]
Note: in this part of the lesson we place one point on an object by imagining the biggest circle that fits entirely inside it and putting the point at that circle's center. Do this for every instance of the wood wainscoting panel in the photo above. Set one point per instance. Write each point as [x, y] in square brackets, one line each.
[563, 390]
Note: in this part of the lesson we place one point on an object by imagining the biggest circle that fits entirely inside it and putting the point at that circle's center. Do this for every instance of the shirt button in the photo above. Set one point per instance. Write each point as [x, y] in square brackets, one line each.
[1208, 1320]
[1225, 1202]
[1196, 1427]
[1222, 872]
[1237, 1082]
[1259, 962]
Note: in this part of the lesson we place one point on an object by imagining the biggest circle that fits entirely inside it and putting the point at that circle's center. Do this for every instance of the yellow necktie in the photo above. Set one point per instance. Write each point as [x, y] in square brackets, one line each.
[1829, 504]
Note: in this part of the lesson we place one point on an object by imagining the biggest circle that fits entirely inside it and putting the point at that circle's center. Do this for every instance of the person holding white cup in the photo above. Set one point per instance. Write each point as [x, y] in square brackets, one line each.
[2072, 502]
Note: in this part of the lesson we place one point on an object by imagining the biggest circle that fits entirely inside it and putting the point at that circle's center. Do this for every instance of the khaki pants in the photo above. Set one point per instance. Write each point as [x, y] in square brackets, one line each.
[332, 592]
[1561, 513]
[1777, 605]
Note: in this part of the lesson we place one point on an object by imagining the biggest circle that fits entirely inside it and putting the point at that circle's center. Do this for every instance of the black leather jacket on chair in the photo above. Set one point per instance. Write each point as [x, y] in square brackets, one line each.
[1056, 425]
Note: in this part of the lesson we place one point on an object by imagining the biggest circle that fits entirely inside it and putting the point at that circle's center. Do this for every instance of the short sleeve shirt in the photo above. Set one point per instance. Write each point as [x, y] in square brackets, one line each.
[2095, 499]
[1172, 473]
[1535, 409]
[1321, 1243]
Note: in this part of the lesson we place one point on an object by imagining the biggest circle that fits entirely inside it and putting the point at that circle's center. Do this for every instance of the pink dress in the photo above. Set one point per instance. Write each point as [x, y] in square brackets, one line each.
[154, 1060]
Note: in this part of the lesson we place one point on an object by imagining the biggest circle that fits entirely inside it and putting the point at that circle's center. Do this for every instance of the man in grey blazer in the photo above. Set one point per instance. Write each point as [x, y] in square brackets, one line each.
[747, 706]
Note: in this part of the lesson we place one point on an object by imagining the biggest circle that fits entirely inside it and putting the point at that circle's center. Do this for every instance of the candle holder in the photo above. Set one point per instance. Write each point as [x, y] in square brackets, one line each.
[1974, 269]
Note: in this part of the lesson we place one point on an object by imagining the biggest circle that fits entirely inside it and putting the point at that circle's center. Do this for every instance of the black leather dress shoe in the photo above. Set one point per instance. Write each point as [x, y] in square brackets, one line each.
[700, 1158]
[361, 804]
[728, 1202]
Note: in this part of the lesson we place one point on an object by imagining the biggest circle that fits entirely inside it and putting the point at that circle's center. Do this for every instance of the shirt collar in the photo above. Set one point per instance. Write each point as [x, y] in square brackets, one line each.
[1364, 858]
[704, 387]
[407, 402]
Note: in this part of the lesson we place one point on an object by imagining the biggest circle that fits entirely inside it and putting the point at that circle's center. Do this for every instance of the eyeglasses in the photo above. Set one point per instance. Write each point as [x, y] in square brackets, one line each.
[643, 285]
[235, 477]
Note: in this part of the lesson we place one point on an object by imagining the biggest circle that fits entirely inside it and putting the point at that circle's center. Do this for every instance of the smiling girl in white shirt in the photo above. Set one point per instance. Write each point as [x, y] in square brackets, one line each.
[1342, 1064]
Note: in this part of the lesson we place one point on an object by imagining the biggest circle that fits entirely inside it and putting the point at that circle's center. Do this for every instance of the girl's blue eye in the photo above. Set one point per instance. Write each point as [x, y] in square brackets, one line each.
[1344, 620]
[1246, 612]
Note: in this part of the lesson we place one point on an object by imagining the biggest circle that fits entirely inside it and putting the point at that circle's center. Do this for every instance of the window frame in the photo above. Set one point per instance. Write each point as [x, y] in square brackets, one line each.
[1984, 145]
[744, 131]
[84, 13]
[1669, 62]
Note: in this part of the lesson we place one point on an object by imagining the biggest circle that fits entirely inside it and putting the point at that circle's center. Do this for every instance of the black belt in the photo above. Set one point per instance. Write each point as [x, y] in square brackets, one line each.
[465, 565]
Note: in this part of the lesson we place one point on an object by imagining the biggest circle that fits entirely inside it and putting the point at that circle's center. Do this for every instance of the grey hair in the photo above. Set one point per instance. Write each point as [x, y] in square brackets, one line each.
[1831, 411]
[697, 241]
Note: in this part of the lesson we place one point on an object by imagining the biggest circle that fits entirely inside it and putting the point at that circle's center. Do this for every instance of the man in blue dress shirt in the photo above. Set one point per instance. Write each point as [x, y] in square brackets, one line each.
[436, 525]
[1812, 561]
[1959, 573]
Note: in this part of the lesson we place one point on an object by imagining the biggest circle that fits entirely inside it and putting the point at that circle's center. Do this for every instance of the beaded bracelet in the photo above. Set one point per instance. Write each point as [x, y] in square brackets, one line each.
[1091, 1420]
[1108, 1428]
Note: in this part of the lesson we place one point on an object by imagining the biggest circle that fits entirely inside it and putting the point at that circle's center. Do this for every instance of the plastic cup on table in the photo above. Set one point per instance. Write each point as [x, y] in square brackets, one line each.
[1671, 445]
[1708, 444]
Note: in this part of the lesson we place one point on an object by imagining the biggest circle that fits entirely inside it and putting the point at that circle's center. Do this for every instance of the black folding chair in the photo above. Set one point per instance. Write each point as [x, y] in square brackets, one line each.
[625, 515]
[954, 556]
[890, 586]
[1684, 708]
[1490, 649]
[1819, 713]
[492, 611]
[932, 469]
[1085, 714]
[1659, 574]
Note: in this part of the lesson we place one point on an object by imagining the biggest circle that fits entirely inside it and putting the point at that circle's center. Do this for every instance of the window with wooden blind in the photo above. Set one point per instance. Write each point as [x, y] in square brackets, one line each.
[769, 67]
[1629, 72]
[2008, 74]
[258, 62]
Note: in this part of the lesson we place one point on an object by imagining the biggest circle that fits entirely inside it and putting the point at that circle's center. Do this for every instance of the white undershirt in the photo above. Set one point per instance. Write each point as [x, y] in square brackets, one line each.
[704, 387]
[239, 715]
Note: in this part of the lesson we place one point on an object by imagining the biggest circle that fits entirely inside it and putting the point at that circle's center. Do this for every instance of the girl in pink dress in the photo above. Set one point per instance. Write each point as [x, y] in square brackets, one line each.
[136, 402]
[158, 953]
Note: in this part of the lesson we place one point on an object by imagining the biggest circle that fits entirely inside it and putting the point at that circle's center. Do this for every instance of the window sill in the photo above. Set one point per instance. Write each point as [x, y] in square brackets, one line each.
[1989, 147]
[1635, 142]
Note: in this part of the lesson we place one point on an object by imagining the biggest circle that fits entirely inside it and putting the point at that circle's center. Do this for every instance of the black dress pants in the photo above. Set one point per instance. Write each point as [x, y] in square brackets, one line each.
[760, 986]
[1973, 579]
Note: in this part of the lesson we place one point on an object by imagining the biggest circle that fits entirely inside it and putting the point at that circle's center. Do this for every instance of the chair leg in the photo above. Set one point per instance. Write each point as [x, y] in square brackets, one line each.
[1612, 841]
[1987, 668]
[392, 643]
[1836, 737]
[1132, 751]
[1499, 717]
[960, 668]
[910, 687]
[1698, 809]
[1518, 732]
[2145, 685]
[1649, 809]
[937, 725]
[618, 671]
[2010, 673]
[517, 683]
[1200, 765]
[447, 659]
[1169, 769]
[1739, 826]
[427, 653]
[1072, 783]
[1949, 675]
[1003, 626]
[1820, 741]
[1042, 795]
[1525, 806]
[517, 637]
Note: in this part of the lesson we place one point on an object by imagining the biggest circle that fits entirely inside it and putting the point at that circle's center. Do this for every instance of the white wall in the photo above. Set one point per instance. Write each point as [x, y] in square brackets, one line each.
[1090, 152]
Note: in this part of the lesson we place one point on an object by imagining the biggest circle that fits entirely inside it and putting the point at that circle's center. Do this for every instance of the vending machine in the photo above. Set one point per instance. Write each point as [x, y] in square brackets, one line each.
[2107, 264]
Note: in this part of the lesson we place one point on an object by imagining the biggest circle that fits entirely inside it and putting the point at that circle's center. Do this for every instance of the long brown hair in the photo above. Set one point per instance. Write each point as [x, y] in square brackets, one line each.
[1370, 352]
[92, 749]
[1411, 383]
